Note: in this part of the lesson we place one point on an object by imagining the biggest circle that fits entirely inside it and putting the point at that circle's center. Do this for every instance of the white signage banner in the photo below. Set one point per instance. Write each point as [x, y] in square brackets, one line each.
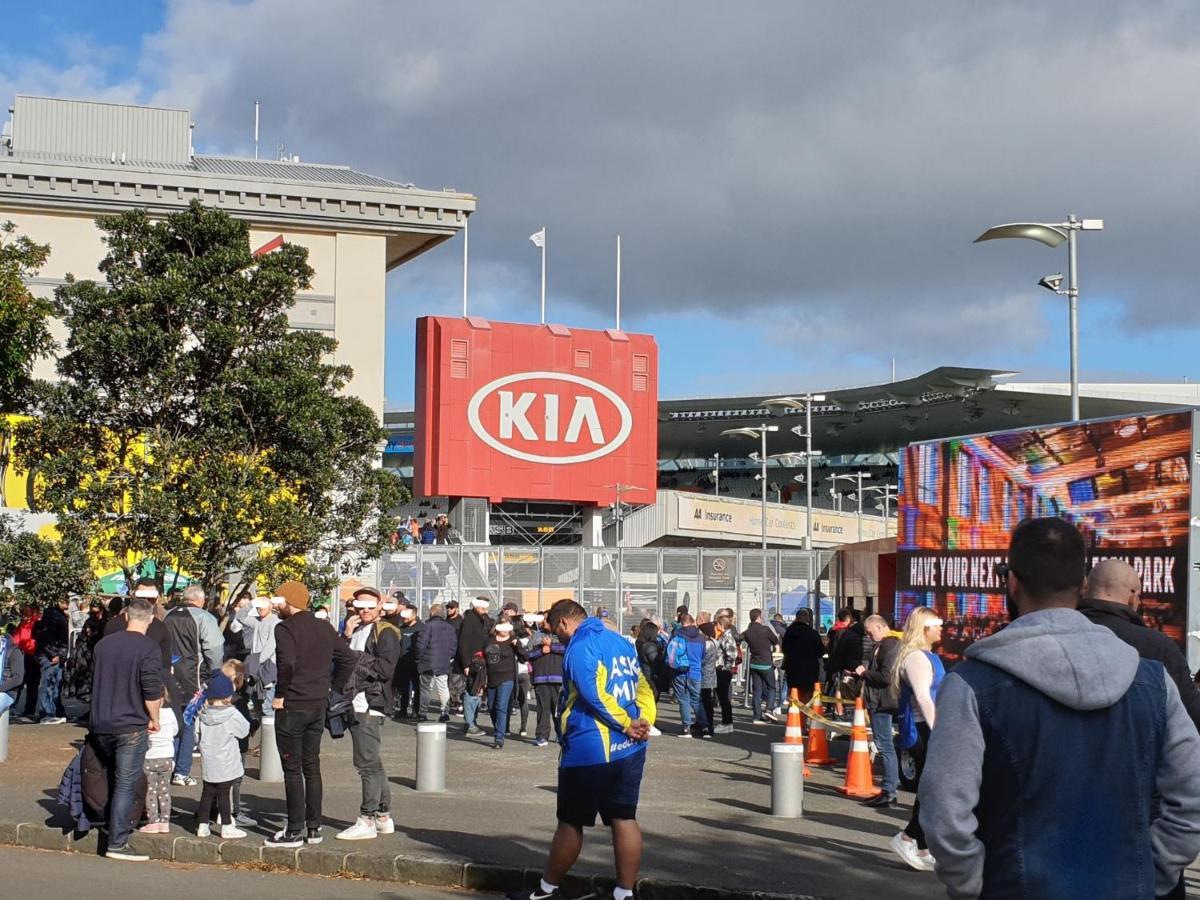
[744, 519]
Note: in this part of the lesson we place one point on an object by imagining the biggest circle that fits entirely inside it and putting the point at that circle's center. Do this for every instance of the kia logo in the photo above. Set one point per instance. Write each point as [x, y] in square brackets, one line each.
[542, 419]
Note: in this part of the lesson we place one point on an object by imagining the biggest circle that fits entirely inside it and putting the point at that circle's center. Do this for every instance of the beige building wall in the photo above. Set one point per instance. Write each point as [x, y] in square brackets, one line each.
[347, 297]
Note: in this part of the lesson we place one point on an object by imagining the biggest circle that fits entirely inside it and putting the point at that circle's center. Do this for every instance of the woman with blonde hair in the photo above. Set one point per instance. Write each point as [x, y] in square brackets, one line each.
[917, 675]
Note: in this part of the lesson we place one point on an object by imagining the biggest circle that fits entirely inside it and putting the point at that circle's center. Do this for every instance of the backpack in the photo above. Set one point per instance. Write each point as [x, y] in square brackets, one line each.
[677, 654]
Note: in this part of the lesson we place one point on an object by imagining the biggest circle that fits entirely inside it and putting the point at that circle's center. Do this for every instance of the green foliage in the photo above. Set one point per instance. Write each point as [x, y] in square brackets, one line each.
[190, 425]
[47, 570]
[24, 319]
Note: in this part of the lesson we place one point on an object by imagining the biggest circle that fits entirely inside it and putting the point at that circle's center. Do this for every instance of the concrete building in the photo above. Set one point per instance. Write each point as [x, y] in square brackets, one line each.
[63, 163]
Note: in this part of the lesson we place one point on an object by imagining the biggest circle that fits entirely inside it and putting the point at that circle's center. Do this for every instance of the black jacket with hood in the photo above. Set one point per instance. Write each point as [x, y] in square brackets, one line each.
[375, 666]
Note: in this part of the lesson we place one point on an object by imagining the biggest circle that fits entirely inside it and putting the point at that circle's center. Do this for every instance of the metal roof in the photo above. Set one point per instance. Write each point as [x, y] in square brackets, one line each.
[289, 171]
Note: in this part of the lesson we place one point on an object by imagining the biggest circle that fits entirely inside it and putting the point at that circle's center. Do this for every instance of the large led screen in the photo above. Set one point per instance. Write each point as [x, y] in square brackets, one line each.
[1125, 483]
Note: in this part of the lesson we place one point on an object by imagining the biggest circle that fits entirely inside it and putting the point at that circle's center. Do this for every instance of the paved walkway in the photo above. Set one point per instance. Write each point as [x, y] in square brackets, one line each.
[705, 811]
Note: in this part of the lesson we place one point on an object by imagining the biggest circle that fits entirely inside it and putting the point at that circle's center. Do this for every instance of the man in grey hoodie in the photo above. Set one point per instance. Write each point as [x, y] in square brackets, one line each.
[1061, 766]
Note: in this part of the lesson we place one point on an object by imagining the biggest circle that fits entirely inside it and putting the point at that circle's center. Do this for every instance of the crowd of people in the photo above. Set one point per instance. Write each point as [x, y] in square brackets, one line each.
[1009, 748]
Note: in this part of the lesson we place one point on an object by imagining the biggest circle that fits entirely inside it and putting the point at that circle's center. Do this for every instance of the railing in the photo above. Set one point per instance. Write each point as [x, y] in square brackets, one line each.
[629, 583]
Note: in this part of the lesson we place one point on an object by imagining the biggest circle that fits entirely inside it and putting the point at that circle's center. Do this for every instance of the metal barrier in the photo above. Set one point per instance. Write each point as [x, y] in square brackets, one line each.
[630, 583]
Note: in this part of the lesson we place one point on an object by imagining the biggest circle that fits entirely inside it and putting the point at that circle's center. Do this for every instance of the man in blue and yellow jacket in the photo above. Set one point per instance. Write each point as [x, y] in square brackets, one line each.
[606, 713]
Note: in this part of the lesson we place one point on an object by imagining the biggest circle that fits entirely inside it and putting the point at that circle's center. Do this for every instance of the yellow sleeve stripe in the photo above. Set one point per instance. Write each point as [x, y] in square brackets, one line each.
[645, 699]
[611, 706]
[568, 707]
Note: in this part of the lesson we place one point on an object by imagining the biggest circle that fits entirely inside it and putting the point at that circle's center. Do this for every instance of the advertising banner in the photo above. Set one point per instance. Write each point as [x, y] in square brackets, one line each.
[729, 516]
[535, 412]
[1125, 483]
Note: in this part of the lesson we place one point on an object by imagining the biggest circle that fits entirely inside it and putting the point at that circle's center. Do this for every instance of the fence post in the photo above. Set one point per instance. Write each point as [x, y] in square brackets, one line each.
[787, 780]
[459, 595]
[270, 766]
[4, 729]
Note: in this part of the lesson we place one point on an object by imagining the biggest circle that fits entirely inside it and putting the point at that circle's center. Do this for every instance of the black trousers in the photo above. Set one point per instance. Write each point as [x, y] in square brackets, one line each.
[724, 696]
[709, 702]
[215, 794]
[408, 689]
[918, 750]
[547, 709]
[33, 681]
[298, 733]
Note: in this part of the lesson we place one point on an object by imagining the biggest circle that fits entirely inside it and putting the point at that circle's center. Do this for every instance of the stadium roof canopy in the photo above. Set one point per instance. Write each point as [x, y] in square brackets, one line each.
[941, 403]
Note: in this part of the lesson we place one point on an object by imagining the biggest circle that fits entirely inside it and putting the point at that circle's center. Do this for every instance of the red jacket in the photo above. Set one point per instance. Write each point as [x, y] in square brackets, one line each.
[23, 636]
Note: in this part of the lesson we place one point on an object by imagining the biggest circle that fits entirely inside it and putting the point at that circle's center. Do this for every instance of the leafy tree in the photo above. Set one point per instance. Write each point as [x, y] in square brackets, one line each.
[190, 425]
[47, 570]
[24, 319]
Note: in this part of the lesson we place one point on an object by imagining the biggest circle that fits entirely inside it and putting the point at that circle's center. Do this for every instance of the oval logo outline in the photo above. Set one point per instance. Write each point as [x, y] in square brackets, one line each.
[484, 435]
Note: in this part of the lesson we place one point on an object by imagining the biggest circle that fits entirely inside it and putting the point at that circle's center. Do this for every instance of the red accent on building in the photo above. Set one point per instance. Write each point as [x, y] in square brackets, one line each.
[273, 244]
[534, 412]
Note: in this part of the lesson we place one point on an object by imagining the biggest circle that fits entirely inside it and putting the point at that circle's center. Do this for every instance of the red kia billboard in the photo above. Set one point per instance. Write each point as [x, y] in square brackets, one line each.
[534, 412]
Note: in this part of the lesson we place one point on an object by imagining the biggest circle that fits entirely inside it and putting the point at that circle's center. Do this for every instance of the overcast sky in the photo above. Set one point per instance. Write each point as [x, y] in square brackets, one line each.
[797, 184]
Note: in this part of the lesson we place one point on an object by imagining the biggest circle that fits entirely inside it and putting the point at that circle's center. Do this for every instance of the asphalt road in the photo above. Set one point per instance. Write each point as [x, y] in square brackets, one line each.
[38, 873]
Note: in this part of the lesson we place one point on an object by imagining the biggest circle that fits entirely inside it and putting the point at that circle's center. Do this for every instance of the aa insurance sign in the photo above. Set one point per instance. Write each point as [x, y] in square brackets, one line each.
[535, 412]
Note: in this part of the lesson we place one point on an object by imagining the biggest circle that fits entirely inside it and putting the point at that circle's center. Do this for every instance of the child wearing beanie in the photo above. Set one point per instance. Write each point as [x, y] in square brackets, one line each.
[221, 727]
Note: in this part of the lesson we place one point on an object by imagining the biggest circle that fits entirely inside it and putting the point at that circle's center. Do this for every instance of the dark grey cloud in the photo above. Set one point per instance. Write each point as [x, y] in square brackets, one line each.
[828, 162]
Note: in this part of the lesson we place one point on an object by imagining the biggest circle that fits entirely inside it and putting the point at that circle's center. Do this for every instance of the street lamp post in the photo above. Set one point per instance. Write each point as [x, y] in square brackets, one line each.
[857, 478]
[1052, 235]
[887, 492]
[758, 431]
[805, 402]
[618, 507]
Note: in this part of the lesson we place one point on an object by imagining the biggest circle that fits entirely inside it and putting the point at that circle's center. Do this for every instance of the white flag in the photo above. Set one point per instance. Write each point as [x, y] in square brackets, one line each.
[539, 238]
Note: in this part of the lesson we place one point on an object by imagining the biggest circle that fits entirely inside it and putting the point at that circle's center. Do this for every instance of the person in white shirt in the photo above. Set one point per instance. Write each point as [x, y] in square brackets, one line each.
[159, 765]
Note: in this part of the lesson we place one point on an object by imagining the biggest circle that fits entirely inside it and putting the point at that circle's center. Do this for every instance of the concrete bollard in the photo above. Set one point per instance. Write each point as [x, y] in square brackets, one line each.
[4, 735]
[431, 757]
[270, 767]
[787, 780]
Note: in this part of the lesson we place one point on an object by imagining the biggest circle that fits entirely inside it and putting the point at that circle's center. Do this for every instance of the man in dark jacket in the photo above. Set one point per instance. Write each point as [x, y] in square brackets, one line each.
[408, 685]
[762, 641]
[476, 633]
[882, 700]
[1061, 765]
[12, 669]
[197, 647]
[846, 656]
[436, 647]
[546, 656]
[53, 636]
[1112, 593]
[306, 650]
[802, 652]
[378, 646]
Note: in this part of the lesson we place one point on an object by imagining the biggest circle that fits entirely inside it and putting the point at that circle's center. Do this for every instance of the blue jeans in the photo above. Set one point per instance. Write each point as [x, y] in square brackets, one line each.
[48, 691]
[885, 744]
[184, 746]
[691, 712]
[471, 710]
[500, 705]
[762, 689]
[124, 755]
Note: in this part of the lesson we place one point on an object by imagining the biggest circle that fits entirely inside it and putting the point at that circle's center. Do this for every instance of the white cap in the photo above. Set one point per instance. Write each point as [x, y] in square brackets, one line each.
[260, 602]
[146, 592]
[480, 603]
[504, 627]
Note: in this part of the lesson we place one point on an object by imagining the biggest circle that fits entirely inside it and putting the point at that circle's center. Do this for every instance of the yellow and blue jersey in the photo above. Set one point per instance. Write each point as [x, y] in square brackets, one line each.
[604, 691]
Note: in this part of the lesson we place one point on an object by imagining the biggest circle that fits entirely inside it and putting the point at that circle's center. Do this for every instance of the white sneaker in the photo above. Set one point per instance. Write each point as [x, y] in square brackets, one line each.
[654, 732]
[362, 830]
[907, 851]
[231, 833]
[203, 830]
[384, 825]
[927, 860]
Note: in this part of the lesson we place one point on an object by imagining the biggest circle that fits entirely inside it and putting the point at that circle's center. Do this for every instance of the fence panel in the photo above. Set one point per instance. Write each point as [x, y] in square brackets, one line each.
[601, 579]
[639, 586]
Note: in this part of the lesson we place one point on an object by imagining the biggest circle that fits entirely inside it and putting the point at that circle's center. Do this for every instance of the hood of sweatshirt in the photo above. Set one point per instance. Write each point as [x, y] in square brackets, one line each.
[691, 633]
[215, 715]
[1064, 656]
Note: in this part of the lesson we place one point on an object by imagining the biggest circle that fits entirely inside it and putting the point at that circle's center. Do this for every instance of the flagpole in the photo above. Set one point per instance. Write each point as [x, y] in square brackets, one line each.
[466, 246]
[618, 282]
[543, 274]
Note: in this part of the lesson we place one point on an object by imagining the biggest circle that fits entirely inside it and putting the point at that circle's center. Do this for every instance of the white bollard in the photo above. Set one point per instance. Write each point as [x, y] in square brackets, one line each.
[787, 780]
[4, 735]
[270, 766]
[431, 757]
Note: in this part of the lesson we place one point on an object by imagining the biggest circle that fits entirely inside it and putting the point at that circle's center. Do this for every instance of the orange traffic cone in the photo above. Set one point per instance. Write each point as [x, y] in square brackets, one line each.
[860, 782]
[818, 740]
[794, 732]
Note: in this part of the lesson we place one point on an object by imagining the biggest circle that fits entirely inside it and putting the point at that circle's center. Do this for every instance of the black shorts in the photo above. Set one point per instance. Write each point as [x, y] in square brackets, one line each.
[610, 789]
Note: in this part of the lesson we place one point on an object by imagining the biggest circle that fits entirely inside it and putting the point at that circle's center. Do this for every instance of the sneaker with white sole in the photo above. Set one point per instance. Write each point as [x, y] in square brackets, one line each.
[362, 830]
[907, 851]
[313, 836]
[285, 838]
[231, 833]
[654, 732]
[384, 825]
[537, 894]
[203, 831]
[124, 853]
[183, 781]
